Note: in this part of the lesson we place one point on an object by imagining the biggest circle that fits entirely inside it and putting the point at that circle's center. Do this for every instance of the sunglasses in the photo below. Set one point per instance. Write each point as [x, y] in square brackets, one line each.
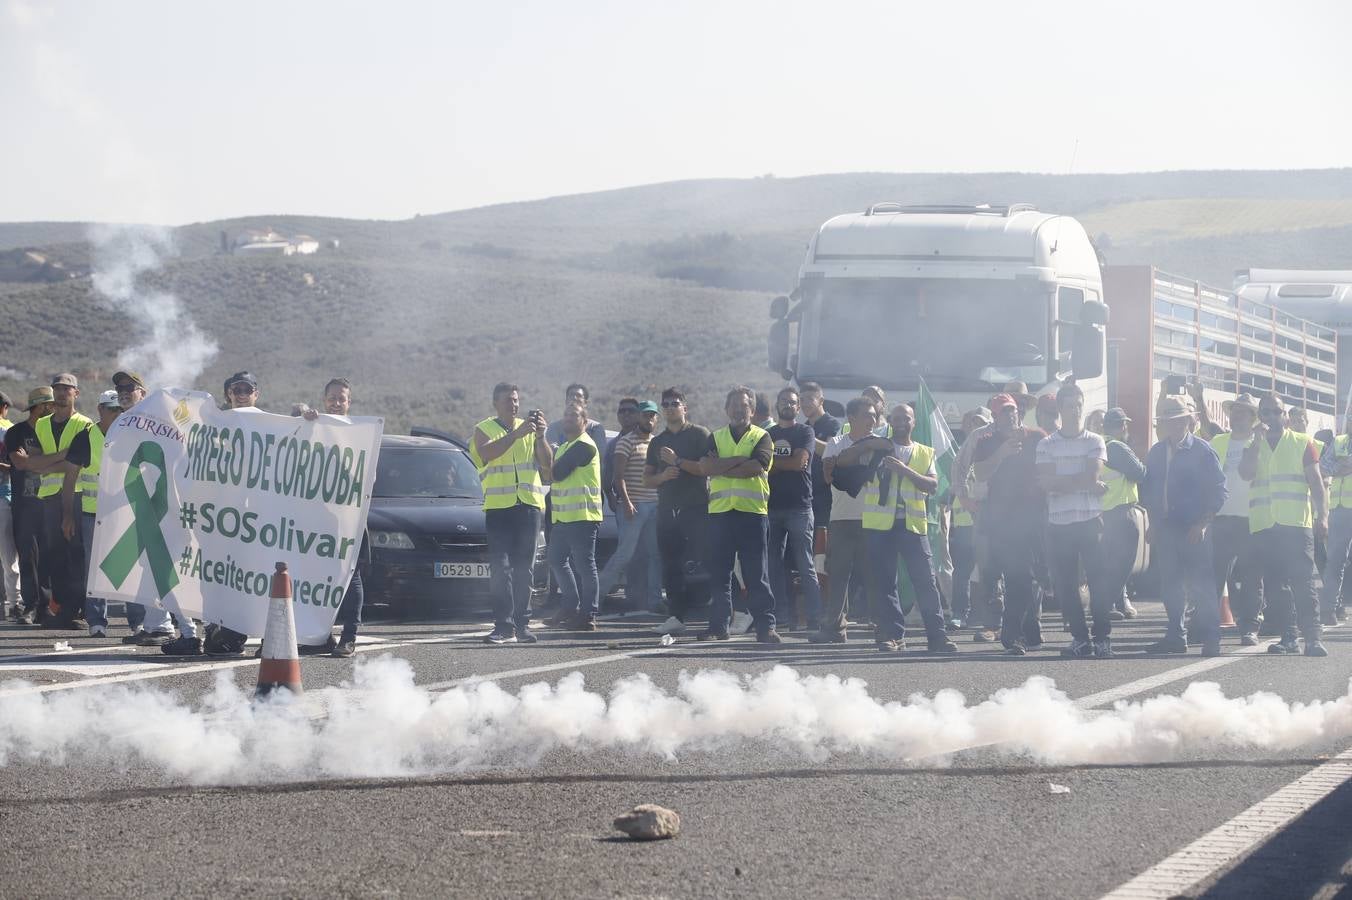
[670, 404]
[241, 390]
[125, 388]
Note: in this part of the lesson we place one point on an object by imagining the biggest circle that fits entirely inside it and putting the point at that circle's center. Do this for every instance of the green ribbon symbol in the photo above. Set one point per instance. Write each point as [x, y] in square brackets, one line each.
[144, 535]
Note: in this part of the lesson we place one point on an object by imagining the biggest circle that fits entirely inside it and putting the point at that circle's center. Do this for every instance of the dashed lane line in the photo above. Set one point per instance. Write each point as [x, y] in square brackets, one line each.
[1221, 846]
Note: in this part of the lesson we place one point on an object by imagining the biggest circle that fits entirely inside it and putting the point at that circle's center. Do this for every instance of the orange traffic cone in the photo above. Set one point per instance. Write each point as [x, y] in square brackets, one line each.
[1227, 617]
[280, 666]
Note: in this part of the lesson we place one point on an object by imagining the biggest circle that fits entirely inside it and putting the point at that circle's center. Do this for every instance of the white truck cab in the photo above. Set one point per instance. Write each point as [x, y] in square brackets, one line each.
[969, 297]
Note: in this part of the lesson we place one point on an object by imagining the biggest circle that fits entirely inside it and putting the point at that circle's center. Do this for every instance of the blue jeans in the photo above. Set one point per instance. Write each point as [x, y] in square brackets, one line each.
[884, 549]
[793, 527]
[511, 556]
[734, 537]
[349, 613]
[572, 559]
[638, 540]
[1187, 578]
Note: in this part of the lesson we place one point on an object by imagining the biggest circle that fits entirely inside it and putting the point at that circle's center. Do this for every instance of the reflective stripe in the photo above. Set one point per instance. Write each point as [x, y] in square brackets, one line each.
[733, 492]
[577, 498]
[906, 500]
[513, 477]
[1279, 495]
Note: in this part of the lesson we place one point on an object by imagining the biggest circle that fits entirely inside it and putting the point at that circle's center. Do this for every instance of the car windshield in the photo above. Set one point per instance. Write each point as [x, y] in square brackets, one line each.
[958, 334]
[430, 472]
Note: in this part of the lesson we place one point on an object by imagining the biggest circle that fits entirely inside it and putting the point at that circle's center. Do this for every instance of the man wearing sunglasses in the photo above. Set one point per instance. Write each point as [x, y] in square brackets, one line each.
[1288, 508]
[673, 467]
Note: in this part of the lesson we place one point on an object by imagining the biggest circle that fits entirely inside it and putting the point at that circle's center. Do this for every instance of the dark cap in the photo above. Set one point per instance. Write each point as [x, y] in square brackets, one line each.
[67, 380]
[128, 376]
[1047, 402]
[1115, 417]
[244, 377]
[40, 395]
[646, 406]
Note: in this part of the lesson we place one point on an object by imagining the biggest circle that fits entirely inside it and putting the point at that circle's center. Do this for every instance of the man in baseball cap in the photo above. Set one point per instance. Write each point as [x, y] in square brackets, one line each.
[130, 388]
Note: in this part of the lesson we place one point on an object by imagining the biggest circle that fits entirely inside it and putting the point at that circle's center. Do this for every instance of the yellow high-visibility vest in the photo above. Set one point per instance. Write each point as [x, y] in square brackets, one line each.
[739, 494]
[88, 482]
[1121, 489]
[1279, 494]
[904, 498]
[513, 477]
[1340, 492]
[577, 498]
[50, 483]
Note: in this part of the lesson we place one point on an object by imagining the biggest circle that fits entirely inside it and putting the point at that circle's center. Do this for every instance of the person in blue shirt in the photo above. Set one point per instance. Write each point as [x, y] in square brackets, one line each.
[1183, 490]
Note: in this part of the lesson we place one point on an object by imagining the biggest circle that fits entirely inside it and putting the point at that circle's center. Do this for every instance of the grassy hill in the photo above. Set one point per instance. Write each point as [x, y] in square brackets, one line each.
[627, 290]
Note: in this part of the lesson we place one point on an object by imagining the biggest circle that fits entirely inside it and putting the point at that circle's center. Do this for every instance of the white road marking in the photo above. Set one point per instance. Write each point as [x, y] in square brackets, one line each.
[1132, 688]
[1204, 856]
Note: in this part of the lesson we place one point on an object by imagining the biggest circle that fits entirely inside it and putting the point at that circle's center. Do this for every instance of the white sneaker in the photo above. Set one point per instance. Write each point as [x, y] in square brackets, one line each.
[672, 625]
[98, 631]
[741, 623]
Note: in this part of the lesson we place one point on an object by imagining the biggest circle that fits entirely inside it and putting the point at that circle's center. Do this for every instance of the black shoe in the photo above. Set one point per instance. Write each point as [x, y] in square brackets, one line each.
[500, 637]
[942, 645]
[1079, 650]
[184, 646]
[827, 637]
[712, 636]
[1329, 620]
[1168, 645]
[1284, 646]
[315, 649]
[1211, 649]
[155, 638]
[1015, 650]
[345, 648]
[1103, 648]
[224, 650]
[1314, 648]
[134, 637]
[524, 636]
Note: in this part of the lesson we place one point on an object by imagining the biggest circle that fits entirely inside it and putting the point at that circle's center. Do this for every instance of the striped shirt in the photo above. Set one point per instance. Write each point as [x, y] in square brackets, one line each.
[634, 446]
[1072, 456]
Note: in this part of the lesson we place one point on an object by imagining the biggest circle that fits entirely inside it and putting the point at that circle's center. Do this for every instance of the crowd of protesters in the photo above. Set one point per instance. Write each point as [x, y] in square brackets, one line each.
[784, 518]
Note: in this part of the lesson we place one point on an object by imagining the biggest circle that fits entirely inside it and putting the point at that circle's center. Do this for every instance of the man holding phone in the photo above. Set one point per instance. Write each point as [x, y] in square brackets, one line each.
[513, 460]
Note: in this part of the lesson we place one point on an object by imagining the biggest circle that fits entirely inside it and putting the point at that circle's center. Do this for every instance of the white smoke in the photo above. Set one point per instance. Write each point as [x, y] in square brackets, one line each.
[382, 724]
[171, 350]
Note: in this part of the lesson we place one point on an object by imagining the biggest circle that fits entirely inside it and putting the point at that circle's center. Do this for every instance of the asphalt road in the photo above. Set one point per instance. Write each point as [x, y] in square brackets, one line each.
[760, 817]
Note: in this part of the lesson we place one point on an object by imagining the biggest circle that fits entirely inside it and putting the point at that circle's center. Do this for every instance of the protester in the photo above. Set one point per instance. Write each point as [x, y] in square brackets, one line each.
[1025, 401]
[1237, 557]
[62, 559]
[737, 461]
[9, 553]
[846, 551]
[824, 427]
[791, 523]
[513, 459]
[1183, 490]
[1336, 464]
[576, 513]
[1122, 474]
[764, 415]
[21, 446]
[964, 503]
[896, 528]
[1069, 461]
[578, 395]
[636, 507]
[673, 467]
[1284, 483]
[1094, 421]
[626, 415]
[81, 479]
[1047, 413]
[1012, 519]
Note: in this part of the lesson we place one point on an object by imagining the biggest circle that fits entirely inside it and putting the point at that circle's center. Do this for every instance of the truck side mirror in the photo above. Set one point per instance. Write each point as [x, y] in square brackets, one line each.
[779, 345]
[1094, 312]
[1087, 351]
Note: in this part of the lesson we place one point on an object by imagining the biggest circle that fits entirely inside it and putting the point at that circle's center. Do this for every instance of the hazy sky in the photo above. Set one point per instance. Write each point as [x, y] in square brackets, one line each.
[183, 111]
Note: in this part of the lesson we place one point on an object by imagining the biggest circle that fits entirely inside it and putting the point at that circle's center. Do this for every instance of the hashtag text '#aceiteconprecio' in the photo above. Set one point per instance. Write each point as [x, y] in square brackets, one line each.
[288, 466]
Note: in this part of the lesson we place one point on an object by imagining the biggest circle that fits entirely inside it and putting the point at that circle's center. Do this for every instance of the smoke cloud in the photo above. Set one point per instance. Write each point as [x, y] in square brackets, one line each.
[381, 724]
[172, 351]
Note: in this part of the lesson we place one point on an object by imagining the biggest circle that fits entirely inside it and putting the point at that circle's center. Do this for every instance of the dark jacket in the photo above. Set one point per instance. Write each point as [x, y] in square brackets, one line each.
[1196, 483]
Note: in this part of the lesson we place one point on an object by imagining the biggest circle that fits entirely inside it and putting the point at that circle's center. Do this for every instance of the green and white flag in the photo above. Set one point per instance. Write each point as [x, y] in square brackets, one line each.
[933, 431]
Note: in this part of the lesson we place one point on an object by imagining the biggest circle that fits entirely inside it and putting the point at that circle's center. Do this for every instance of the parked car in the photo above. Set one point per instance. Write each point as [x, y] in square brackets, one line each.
[427, 538]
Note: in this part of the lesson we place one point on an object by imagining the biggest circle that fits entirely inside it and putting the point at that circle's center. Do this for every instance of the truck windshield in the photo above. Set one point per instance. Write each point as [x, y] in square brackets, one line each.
[959, 334]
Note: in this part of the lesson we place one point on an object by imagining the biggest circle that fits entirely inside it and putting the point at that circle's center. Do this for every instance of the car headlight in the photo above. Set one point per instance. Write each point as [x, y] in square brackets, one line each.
[391, 540]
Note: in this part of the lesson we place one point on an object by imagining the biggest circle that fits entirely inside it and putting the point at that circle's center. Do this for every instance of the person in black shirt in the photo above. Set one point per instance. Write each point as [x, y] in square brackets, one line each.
[791, 511]
[673, 467]
[825, 426]
[21, 439]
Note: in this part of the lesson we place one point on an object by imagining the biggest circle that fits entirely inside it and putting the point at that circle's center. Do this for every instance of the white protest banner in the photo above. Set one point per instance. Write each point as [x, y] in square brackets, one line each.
[198, 505]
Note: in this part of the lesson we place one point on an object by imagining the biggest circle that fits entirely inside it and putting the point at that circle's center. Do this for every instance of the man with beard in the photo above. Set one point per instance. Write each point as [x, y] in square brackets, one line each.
[673, 467]
[791, 524]
[636, 505]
